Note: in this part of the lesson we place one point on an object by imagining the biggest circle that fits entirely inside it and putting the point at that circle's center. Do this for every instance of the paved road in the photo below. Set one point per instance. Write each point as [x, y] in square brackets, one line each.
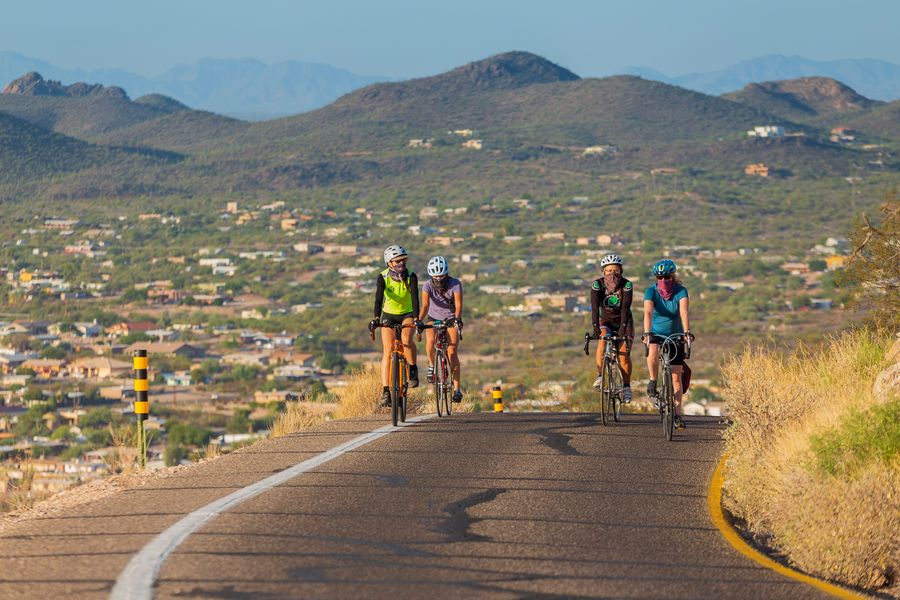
[484, 505]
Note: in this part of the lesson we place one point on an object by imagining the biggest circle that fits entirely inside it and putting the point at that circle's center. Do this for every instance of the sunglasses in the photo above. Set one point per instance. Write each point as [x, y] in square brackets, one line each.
[399, 261]
[664, 277]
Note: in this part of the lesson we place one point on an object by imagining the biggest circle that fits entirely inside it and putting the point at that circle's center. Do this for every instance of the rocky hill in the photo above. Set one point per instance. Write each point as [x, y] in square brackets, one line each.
[32, 84]
[803, 98]
[89, 111]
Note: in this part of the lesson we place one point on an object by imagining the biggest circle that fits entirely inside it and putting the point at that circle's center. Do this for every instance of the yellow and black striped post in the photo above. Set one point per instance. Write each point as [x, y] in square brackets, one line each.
[497, 394]
[141, 402]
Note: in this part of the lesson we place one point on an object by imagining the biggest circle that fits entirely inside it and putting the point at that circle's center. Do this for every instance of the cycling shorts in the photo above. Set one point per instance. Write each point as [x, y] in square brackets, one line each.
[395, 319]
[613, 329]
[678, 359]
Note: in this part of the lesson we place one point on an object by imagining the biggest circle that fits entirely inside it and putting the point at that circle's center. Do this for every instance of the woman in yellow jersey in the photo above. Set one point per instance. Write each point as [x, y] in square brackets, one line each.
[396, 301]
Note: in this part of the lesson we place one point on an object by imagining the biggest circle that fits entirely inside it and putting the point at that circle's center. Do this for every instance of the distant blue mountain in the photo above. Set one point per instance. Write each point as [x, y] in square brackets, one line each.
[244, 88]
[876, 79]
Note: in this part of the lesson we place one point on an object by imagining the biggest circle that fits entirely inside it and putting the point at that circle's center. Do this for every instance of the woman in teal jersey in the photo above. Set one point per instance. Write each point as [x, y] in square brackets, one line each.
[397, 302]
[666, 307]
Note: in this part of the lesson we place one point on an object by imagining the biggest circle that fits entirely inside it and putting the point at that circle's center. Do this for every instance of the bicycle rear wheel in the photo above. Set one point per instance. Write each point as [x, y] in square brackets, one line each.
[438, 383]
[395, 388]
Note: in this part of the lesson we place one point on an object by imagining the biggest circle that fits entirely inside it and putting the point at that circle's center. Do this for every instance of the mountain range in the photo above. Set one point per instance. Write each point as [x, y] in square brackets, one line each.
[252, 90]
[243, 88]
[533, 117]
[877, 79]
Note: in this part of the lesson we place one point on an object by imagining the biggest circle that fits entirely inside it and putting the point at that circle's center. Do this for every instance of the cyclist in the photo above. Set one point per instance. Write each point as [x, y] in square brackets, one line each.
[665, 313]
[397, 302]
[442, 300]
[611, 297]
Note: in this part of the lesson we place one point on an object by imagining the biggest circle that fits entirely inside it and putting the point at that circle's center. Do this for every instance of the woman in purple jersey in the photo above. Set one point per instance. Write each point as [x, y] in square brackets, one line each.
[442, 300]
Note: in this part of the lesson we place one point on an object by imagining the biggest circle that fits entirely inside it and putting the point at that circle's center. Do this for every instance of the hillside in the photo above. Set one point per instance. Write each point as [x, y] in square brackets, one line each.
[513, 99]
[803, 99]
[881, 122]
[29, 152]
[179, 131]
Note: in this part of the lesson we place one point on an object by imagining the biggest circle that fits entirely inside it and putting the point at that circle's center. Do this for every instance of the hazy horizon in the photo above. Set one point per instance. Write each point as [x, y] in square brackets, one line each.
[401, 39]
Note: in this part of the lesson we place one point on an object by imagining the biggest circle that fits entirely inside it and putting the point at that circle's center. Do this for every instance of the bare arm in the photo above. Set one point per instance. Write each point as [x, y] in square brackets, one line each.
[457, 302]
[426, 301]
[648, 315]
[683, 313]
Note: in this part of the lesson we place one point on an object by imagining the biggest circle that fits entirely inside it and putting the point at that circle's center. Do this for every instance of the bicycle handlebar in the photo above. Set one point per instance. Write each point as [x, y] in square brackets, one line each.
[445, 324]
[607, 338]
[645, 339]
[384, 323]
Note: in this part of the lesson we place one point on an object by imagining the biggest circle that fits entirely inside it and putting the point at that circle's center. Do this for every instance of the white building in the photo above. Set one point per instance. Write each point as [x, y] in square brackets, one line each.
[767, 131]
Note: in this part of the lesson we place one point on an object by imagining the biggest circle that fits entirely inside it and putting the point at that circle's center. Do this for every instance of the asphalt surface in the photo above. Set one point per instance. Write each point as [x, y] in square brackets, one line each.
[476, 505]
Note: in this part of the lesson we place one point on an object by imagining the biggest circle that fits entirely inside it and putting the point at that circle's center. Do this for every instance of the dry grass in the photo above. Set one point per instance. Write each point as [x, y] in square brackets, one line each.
[297, 416]
[124, 459]
[359, 398]
[838, 525]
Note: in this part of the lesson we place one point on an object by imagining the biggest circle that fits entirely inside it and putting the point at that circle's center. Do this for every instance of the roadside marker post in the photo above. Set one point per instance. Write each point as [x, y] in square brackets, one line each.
[141, 402]
[497, 394]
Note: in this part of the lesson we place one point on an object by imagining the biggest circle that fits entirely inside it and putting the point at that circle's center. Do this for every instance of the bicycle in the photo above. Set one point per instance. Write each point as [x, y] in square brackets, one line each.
[443, 384]
[399, 376]
[612, 390]
[665, 391]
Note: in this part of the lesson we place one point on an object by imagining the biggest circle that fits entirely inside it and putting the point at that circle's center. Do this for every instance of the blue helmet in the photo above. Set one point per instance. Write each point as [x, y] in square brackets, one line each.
[664, 267]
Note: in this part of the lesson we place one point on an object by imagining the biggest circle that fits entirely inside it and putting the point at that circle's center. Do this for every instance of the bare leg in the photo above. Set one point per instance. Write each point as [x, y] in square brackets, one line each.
[453, 355]
[429, 345]
[676, 386]
[653, 361]
[387, 340]
[409, 348]
[625, 362]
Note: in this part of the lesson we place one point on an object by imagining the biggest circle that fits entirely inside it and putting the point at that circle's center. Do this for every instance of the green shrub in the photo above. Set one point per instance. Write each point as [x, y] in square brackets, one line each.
[863, 437]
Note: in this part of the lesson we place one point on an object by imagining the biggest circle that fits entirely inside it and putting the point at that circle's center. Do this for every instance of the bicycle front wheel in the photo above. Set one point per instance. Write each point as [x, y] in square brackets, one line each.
[668, 399]
[404, 389]
[438, 383]
[605, 415]
[446, 383]
[395, 388]
[615, 390]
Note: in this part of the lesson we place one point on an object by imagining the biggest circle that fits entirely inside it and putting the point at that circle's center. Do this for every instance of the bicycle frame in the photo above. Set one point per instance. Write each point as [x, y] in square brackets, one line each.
[611, 392]
[666, 390]
[442, 369]
[399, 371]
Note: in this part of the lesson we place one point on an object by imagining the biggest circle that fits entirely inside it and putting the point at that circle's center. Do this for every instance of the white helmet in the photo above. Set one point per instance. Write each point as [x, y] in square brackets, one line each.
[393, 252]
[438, 266]
[611, 259]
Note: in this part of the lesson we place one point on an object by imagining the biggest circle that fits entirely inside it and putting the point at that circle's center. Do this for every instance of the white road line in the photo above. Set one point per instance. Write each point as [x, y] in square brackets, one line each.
[138, 578]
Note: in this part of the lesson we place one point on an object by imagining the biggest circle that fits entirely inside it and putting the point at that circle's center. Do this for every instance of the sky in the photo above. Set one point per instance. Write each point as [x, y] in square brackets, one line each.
[411, 38]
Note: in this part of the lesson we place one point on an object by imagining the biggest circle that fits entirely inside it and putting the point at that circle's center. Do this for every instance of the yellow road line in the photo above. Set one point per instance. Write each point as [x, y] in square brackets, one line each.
[714, 501]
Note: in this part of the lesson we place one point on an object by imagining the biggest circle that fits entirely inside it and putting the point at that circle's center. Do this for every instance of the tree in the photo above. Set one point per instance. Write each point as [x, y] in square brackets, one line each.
[332, 361]
[184, 434]
[174, 455]
[874, 266]
[54, 352]
[239, 422]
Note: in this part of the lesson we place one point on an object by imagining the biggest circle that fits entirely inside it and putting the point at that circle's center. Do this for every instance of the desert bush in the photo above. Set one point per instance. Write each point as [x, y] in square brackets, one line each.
[875, 264]
[813, 464]
[297, 416]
